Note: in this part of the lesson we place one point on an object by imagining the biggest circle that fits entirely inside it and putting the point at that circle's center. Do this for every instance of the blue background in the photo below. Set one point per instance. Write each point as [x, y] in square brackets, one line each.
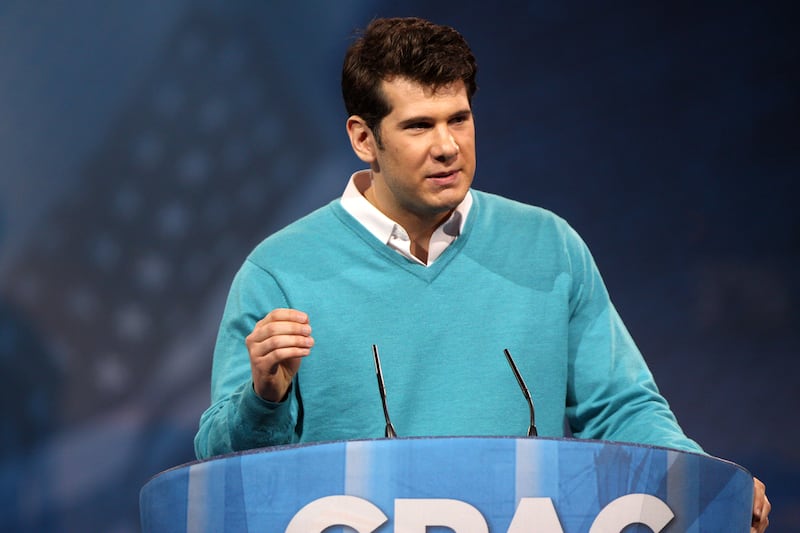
[146, 146]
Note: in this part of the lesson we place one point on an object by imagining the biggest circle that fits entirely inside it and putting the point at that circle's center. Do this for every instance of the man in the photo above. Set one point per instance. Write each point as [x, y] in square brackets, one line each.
[441, 277]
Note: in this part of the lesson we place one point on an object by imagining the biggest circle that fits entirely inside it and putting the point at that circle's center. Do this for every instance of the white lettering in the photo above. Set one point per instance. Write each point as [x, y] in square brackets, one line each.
[414, 515]
[358, 513]
[539, 511]
[632, 509]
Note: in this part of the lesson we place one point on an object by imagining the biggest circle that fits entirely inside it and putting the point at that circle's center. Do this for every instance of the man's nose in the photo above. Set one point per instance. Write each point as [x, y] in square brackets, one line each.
[444, 146]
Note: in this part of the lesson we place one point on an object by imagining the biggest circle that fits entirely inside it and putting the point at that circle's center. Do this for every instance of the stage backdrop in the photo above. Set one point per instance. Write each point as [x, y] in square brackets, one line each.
[146, 146]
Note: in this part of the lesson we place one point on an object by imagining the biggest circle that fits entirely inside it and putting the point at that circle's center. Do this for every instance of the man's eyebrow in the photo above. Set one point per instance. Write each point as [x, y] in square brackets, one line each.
[414, 120]
[425, 118]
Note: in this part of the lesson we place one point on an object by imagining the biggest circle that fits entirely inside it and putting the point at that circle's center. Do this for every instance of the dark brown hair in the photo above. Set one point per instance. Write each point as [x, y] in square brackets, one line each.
[411, 48]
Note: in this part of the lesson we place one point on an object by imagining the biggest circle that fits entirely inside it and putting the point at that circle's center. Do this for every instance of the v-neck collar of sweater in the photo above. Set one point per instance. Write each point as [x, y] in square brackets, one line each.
[429, 272]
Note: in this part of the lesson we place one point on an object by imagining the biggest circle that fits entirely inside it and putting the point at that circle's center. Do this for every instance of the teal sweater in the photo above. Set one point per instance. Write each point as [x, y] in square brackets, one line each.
[518, 278]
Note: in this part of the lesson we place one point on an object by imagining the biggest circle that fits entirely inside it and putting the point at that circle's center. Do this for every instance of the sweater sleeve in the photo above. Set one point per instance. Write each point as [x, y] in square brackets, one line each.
[611, 393]
[238, 419]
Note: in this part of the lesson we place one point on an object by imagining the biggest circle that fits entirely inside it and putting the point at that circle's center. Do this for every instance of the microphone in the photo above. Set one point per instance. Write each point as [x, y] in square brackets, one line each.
[390, 432]
[525, 392]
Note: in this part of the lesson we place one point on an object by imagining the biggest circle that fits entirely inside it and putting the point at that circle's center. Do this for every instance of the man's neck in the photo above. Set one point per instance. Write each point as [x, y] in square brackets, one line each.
[420, 232]
[419, 228]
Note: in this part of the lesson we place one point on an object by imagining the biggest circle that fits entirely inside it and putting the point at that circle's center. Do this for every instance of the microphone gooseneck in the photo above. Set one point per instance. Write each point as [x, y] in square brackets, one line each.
[525, 392]
[389, 432]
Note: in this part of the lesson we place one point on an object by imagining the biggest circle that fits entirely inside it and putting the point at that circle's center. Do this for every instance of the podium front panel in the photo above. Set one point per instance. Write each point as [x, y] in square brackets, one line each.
[466, 484]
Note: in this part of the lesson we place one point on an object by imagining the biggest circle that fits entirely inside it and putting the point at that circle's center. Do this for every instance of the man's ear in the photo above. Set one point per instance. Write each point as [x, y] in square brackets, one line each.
[361, 139]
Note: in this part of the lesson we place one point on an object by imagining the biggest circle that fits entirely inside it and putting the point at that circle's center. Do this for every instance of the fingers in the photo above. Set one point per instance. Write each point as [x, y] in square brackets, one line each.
[276, 345]
[761, 507]
[284, 330]
[290, 315]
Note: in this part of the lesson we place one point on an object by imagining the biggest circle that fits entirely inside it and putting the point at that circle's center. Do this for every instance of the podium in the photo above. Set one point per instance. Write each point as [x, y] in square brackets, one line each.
[458, 484]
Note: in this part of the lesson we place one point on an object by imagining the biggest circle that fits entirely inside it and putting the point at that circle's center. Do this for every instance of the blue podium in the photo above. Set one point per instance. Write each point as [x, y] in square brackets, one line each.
[459, 484]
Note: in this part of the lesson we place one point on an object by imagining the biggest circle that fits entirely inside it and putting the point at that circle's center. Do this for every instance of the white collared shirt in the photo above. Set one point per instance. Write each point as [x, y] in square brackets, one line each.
[393, 234]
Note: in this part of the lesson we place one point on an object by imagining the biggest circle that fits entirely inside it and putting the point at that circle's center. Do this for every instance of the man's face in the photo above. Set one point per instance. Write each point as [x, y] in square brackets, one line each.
[426, 163]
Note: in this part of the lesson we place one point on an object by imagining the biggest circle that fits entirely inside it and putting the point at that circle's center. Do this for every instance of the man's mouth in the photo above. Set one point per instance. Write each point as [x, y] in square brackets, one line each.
[444, 175]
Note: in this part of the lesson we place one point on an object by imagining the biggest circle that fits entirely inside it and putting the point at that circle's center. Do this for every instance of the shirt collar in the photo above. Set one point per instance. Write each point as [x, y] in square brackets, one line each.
[391, 233]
